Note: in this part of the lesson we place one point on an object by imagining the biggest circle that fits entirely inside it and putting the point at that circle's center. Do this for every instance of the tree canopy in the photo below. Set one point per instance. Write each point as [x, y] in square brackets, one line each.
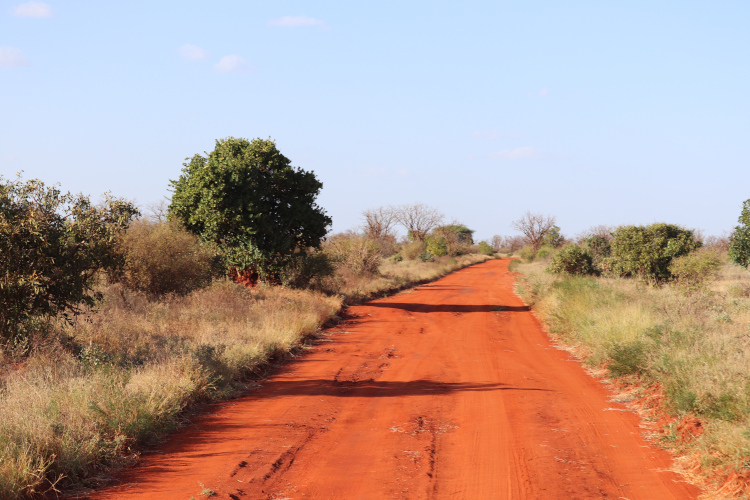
[52, 245]
[246, 197]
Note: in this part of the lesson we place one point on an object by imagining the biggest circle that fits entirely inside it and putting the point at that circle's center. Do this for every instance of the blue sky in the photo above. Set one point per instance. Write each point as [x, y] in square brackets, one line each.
[595, 112]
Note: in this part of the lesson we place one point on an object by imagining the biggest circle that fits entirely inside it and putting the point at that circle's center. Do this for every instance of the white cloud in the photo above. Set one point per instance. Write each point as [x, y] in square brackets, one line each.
[33, 9]
[11, 57]
[296, 22]
[192, 53]
[524, 153]
[233, 64]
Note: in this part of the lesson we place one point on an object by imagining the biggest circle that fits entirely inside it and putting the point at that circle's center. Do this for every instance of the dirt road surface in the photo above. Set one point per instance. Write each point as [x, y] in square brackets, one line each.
[451, 390]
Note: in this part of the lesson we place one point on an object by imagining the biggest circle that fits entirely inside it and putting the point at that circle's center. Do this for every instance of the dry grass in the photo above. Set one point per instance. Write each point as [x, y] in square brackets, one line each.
[91, 393]
[394, 276]
[696, 345]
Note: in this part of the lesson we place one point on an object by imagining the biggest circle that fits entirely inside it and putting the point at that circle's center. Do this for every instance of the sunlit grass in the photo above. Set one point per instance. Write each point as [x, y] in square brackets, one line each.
[696, 345]
[92, 392]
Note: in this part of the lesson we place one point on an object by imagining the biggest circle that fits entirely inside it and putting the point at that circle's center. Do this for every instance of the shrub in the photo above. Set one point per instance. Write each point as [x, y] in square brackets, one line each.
[694, 270]
[163, 257]
[544, 252]
[426, 257]
[354, 252]
[306, 268]
[647, 251]
[485, 248]
[397, 258]
[437, 245]
[572, 259]
[527, 254]
[452, 239]
[52, 246]
[413, 250]
[599, 248]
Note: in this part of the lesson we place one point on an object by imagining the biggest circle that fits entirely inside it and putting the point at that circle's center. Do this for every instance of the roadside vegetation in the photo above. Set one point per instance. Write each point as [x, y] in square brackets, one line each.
[116, 326]
[666, 316]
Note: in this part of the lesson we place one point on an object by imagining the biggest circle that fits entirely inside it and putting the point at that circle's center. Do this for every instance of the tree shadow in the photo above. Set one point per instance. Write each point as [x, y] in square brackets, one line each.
[370, 388]
[457, 308]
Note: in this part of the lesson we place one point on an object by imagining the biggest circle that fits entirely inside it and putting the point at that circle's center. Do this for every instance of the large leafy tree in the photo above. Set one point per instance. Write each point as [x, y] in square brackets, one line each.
[246, 197]
[52, 246]
[739, 241]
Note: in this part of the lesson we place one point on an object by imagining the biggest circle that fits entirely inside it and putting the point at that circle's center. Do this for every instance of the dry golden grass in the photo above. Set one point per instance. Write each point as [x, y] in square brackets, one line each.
[696, 345]
[395, 276]
[92, 392]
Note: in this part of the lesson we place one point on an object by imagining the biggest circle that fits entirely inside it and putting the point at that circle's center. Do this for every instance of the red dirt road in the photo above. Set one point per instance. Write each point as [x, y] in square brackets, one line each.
[450, 391]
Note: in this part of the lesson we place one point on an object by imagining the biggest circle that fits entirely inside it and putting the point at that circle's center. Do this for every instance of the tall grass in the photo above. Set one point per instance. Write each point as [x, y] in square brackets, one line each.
[91, 393]
[692, 344]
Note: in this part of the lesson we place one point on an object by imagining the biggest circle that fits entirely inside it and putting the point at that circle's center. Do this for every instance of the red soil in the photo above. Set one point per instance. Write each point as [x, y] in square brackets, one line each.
[452, 391]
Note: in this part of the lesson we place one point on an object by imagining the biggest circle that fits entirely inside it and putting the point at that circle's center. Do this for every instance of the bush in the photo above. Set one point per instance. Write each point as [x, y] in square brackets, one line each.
[163, 257]
[453, 239]
[544, 252]
[572, 259]
[426, 257]
[647, 251]
[694, 270]
[437, 245]
[413, 250]
[354, 252]
[306, 268]
[397, 258]
[52, 246]
[485, 248]
[527, 254]
[599, 248]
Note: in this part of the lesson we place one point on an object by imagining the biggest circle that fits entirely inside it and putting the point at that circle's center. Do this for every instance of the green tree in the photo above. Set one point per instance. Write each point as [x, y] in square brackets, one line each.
[739, 241]
[647, 251]
[554, 238]
[52, 246]
[452, 239]
[246, 197]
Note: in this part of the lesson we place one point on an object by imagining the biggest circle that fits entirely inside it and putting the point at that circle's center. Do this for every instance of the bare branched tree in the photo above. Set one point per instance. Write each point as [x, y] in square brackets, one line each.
[157, 211]
[418, 219]
[380, 222]
[534, 227]
[508, 243]
[601, 231]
